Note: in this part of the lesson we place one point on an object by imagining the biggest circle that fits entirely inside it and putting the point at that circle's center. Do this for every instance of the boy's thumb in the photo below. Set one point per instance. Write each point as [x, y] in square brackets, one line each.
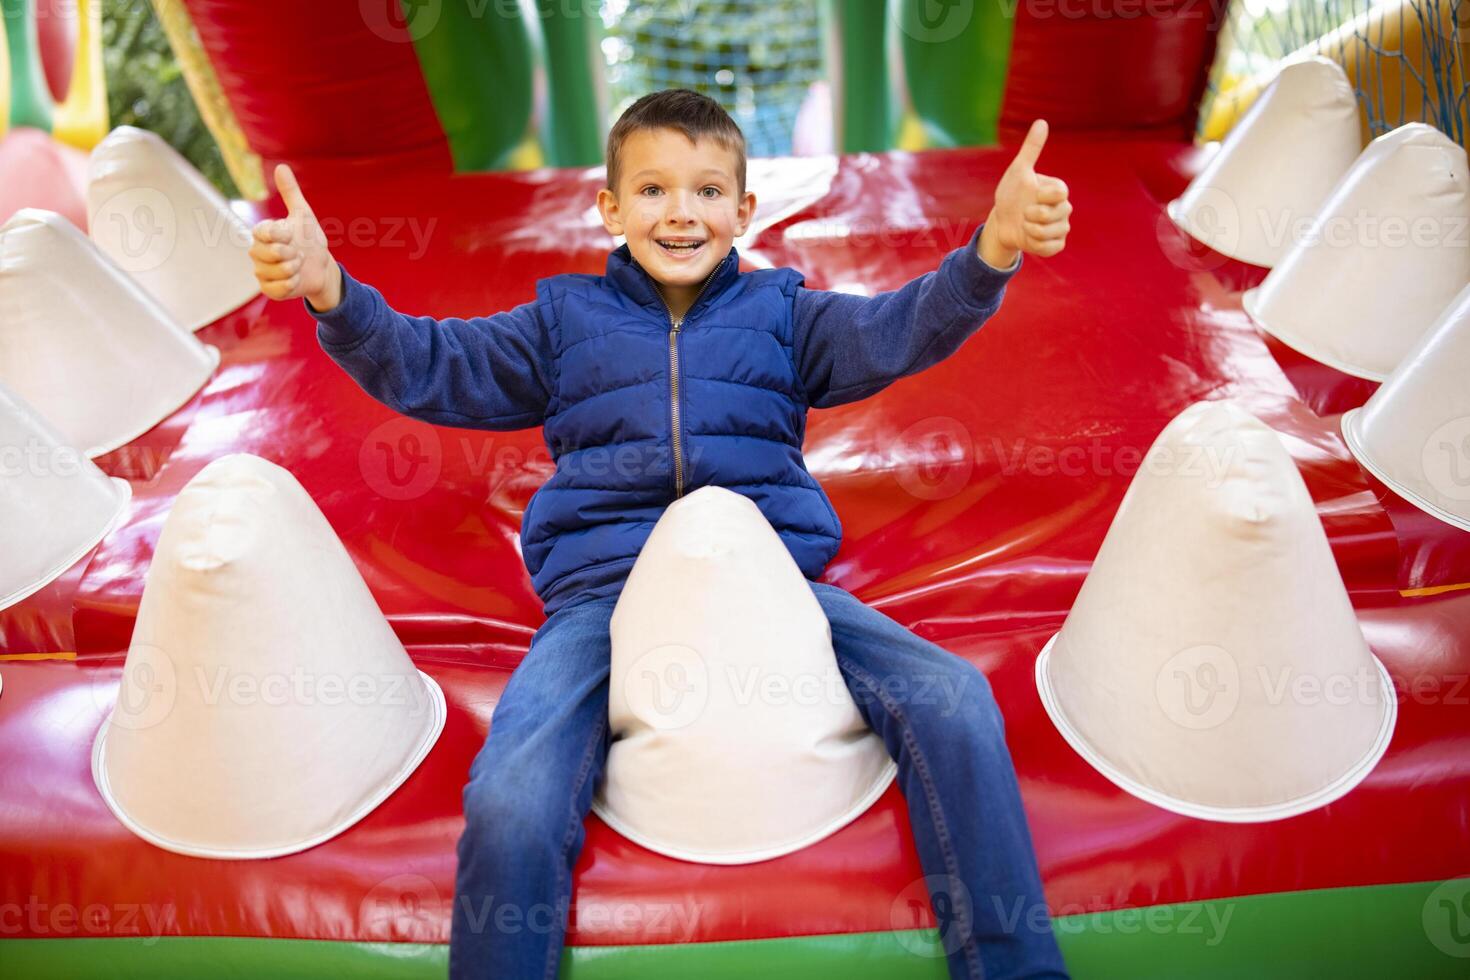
[1030, 150]
[291, 191]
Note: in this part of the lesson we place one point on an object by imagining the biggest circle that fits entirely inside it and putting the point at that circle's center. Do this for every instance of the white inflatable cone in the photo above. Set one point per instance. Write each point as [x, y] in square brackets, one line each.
[1414, 433]
[1276, 166]
[165, 225]
[54, 504]
[735, 738]
[265, 706]
[82, 343]
[1212, 664]
[1387, 251]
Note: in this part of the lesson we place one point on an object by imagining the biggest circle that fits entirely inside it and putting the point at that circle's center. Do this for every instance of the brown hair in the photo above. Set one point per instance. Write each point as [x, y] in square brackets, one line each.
[690, 113]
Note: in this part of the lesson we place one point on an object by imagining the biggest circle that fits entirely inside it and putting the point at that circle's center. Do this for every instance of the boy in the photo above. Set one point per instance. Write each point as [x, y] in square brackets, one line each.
[698, 374]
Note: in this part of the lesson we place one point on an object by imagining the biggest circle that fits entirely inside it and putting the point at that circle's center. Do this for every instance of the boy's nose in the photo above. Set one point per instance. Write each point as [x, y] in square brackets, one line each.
[679, 211]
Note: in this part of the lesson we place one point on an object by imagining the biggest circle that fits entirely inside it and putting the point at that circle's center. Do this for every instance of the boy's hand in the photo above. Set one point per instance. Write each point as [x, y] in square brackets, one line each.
[1031, 209]
[291, 256]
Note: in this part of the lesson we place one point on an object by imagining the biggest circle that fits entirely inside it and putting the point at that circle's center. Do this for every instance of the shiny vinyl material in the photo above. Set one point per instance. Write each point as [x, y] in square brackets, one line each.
[974, 498]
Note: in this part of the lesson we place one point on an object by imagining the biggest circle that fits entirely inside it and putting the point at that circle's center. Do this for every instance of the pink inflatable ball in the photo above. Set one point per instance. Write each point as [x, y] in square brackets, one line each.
[37, 171]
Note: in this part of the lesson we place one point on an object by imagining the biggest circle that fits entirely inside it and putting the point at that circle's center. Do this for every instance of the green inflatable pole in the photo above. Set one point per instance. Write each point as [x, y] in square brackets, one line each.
[866, 113]
[572, 133]
[477, 60]
[955, 56]
[30, 98]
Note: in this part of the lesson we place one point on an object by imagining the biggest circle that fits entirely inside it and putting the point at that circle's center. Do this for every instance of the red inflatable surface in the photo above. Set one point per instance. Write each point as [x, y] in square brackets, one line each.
[1100, 68]
[974, 498]
[1103, 69]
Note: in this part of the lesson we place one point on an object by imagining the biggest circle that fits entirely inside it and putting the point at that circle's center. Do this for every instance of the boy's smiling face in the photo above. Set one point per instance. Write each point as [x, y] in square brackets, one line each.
[680, 206]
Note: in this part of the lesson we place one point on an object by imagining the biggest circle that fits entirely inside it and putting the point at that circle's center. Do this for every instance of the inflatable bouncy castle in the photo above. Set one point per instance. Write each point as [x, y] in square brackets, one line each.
[1196, 500]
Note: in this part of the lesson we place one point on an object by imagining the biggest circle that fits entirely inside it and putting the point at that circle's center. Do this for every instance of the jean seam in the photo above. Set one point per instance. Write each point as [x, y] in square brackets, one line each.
[553, 956]
[921, 766]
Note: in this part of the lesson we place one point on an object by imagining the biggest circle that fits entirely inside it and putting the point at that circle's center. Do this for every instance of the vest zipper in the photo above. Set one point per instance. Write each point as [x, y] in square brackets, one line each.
[675, 323]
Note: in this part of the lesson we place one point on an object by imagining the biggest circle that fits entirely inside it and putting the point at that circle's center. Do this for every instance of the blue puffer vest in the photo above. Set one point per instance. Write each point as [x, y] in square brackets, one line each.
[645, 409]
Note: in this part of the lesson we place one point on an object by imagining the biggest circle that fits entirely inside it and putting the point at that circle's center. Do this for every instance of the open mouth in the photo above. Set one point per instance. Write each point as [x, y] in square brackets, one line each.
[680, 248]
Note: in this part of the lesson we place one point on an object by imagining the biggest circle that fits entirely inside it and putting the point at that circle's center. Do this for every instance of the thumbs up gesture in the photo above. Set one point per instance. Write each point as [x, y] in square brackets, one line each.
[290, 253]
[1031, 210]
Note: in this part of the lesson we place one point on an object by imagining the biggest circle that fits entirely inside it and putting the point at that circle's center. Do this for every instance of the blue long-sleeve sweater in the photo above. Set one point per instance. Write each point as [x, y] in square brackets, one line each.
[720, 400]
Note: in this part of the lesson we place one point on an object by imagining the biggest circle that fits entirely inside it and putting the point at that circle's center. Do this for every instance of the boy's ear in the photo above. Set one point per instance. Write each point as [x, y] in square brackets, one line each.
[612, 216]
[744, 214]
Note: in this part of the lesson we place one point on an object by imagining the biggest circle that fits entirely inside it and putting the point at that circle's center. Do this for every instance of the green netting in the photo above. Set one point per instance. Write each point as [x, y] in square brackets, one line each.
[1403, 57]
[758, 58]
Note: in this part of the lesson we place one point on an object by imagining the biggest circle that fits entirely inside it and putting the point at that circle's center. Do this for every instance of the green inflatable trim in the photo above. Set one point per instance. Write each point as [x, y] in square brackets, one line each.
[572, 133]
[1419, 930]
[956, 54]
[476, 60]
[30, 97]
[869, 117]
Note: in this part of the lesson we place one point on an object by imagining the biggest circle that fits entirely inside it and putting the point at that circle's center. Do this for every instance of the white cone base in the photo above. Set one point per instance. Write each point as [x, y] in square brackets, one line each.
[729, 775]
[1250, 301]
[777, 849]
[128, 436]
[88, 348]
[124, 495]
[1308, 116]
[1355, 444]
[200, 845]
[1262, 812]
[196, 261]
[1175, 210]
[1359, 304]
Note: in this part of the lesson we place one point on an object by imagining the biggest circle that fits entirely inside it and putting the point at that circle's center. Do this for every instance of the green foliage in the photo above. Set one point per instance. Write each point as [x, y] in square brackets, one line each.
[145, 87]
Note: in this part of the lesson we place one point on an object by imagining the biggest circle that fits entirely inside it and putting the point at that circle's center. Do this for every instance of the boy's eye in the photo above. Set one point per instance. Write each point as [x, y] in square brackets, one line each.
[650, 190]
[713, 191]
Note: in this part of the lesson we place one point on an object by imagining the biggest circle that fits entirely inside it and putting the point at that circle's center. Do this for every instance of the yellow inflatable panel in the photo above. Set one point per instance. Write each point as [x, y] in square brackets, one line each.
[81, 119]
[241, 161]
[1396, 28]
[4, 80]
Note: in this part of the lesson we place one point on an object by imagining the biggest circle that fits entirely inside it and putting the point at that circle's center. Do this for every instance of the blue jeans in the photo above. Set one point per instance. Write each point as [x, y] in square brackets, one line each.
[533, 782]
